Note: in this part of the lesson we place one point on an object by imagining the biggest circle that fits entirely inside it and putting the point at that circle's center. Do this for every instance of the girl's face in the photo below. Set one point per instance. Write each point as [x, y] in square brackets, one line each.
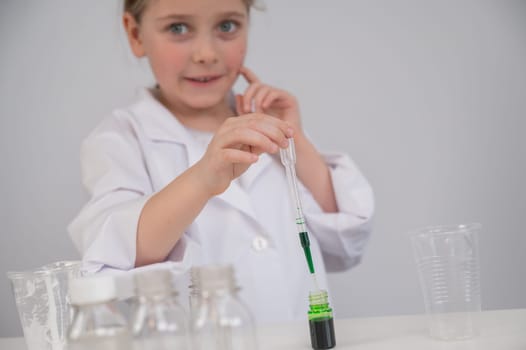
[195, 48]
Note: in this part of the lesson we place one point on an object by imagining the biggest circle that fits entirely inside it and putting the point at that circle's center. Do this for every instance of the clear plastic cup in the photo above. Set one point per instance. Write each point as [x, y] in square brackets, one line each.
[448, 269]
[41, 297]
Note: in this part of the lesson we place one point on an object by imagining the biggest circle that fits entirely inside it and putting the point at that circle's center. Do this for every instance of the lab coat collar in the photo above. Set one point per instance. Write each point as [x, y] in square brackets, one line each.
[160, 125]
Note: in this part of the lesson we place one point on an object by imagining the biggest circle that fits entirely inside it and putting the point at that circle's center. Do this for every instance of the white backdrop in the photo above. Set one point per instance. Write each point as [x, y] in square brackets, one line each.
[428, 97]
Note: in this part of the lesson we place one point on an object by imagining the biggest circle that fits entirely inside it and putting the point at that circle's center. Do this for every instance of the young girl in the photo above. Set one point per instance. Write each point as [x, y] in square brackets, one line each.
[190, 174]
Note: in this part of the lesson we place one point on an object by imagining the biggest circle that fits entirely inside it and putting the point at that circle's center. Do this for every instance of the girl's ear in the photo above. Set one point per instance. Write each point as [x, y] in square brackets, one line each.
[132, 31]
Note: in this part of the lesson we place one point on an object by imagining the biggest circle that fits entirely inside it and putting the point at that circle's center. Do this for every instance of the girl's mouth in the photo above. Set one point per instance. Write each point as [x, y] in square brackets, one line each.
[203, 80]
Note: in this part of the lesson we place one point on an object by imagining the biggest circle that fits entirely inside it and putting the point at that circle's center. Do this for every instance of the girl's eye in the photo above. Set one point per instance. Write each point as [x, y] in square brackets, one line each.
[178, 28]
[228, 26]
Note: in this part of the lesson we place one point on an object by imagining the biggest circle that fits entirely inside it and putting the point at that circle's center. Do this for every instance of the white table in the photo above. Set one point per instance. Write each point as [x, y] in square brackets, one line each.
[499, 330]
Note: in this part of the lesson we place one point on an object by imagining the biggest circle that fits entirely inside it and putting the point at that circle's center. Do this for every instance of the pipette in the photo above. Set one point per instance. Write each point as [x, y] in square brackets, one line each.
[288, 159]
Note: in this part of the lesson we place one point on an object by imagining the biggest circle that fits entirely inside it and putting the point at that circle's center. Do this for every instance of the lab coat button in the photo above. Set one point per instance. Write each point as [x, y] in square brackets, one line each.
[259, 243]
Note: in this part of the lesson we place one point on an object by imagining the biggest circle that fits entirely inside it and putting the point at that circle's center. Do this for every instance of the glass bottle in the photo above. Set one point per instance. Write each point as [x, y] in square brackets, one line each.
[195, 291]
[321, 322]
[158, 322]
[220, 321]
[97, 322]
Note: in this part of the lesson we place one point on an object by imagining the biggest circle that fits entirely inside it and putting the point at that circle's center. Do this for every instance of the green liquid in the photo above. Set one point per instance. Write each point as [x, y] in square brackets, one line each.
[304, 239]
[321, 323]
[319, 312]
[322, 334]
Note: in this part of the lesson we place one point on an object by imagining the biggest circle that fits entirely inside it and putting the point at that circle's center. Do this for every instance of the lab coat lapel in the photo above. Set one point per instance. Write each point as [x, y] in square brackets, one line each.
[160, 125]
[238, 198]
[255, 170]
[237, 193]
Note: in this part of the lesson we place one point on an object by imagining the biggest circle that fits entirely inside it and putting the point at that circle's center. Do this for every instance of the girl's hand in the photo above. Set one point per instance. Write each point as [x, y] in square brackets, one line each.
[269, 100]
[236, 145]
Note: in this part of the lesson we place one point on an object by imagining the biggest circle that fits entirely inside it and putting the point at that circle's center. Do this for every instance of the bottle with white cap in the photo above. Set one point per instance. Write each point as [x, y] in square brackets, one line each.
[97, 322]
[220, 321]
[158, 322]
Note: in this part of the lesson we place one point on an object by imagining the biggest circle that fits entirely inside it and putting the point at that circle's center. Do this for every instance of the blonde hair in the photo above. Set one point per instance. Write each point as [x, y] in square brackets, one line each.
[136, 7]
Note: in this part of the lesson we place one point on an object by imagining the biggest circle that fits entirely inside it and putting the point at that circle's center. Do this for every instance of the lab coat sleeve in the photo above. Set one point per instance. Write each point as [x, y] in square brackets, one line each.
[342, 236]
[116, 178]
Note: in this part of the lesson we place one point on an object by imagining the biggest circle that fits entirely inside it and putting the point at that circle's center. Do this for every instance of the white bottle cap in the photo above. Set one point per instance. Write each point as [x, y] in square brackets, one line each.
[92, 290]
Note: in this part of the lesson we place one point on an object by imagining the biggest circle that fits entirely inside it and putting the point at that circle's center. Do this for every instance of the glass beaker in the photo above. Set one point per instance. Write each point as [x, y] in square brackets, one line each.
[41, 297]
[448, 269]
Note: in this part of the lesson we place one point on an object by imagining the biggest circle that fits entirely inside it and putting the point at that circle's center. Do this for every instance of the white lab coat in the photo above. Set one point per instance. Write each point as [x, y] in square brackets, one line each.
[140, 149]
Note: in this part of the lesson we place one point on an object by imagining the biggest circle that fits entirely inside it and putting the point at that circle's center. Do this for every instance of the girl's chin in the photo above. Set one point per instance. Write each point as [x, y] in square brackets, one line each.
[199, 101]
[204, 103]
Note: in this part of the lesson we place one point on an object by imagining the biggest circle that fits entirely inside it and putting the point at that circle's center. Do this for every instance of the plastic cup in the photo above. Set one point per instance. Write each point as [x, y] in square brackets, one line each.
[41, 297]
[448, 269]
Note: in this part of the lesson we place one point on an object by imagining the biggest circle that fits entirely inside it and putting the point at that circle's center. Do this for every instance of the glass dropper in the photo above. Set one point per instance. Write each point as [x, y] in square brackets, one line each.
[288, 159]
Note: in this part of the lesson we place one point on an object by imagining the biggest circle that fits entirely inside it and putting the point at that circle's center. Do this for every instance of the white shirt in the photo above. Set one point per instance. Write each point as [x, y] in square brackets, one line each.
[138, 150]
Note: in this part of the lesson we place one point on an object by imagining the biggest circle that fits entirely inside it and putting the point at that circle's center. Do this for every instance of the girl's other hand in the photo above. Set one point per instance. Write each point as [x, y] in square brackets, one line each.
[269, 100]
[236, 145]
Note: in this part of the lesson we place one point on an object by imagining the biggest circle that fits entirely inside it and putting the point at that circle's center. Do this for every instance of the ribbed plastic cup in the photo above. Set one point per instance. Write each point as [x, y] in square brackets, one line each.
[448, 269]
[41, 297]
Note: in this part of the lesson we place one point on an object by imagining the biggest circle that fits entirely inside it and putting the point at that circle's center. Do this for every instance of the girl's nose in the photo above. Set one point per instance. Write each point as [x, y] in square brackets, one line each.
[204, 52]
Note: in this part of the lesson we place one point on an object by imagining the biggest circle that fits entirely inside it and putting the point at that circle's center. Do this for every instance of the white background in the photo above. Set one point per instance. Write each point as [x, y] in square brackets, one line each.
[428, 97]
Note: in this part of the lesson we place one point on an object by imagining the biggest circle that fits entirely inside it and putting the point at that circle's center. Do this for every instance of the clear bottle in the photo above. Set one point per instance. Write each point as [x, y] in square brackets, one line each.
[195, 291]
[158, 322]
[97, 322]
[321, 322]
[220, 321]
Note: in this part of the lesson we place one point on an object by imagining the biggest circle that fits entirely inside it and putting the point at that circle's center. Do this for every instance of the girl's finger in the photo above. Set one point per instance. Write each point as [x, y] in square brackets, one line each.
[276, 133]
[249, 95]
[275, 129]
[257, 121]
[233, 155]
[249, 76]
[256, 150]
[269, 98]
[248, 136]
[259, 97]
[239, 104]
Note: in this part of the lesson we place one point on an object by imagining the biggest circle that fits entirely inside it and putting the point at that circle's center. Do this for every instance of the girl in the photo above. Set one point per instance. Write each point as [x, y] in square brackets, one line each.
[188, 174]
